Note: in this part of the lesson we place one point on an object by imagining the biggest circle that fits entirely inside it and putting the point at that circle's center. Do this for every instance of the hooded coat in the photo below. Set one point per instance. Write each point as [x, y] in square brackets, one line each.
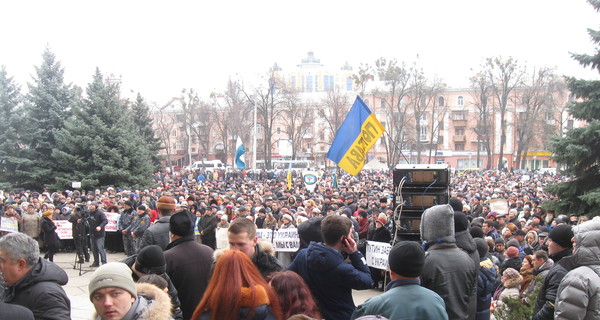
[546, 299]
[486, 280]
[578, 295]
[151, 304]
[330, 279]
[40, 290]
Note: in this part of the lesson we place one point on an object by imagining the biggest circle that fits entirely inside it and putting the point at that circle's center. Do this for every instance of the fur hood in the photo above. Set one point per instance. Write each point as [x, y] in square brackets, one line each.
[513, 283]
[265, 247]
[157, 302]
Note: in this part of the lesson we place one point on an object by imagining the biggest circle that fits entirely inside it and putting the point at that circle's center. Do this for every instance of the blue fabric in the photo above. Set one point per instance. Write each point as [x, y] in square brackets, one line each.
[331, 279]
[349, 130]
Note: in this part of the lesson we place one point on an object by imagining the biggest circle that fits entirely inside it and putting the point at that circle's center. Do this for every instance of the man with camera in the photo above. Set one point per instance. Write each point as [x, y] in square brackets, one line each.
[80, 229]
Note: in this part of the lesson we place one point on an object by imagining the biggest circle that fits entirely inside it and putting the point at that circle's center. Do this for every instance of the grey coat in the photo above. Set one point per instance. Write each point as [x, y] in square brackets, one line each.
[578, 295]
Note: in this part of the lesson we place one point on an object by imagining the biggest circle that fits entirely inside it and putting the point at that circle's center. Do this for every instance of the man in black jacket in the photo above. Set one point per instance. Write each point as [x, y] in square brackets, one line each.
[207, 227]
[188, 263]
[98, 221]
[560, 249]
[33, 282]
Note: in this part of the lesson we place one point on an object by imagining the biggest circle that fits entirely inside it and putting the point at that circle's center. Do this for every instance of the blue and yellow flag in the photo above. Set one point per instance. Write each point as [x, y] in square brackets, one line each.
[355, 137]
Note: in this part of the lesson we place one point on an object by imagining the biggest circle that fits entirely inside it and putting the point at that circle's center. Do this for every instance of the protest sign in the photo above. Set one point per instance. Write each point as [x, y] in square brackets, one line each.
[9, 224]
[64, 229]
[377, 254]
[286, 240]
[112, 218]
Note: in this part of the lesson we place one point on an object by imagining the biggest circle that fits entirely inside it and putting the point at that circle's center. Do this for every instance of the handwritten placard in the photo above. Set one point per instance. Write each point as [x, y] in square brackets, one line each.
[377, 254]
[9, 224]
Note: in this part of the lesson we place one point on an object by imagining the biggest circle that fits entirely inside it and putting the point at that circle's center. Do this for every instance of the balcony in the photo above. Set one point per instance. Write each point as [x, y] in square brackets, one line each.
[459, 138]
[459, 122]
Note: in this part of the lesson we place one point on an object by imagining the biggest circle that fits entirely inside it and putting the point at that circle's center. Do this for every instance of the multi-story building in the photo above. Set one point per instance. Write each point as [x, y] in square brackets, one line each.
[449, 125]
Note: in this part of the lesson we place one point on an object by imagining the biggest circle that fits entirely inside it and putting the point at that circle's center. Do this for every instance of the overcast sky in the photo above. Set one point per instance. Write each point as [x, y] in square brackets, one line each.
[161, 47]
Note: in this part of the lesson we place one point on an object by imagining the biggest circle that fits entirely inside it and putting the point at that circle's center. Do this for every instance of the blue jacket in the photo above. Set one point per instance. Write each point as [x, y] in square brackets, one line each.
[416, 303]
[486, 280]
[330, 279]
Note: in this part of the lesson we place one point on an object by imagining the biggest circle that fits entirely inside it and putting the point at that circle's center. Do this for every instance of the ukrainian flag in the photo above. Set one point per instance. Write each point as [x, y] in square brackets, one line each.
[355, 137]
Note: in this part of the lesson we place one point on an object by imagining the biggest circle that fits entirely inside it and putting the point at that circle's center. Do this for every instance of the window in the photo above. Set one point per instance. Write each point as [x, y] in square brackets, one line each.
[278, 130]
[423, 117]
[174, 133]
[569, 124]
[459, 147]
[440, 101]
[461, 101]
[441, 125]
[423, 133]
[459, 131]
[349, 83]
[383, 103]
[522, 116]
[439, 161]
[193, 150]
[459, 115]
[309, 84]
[293, 81]
[549, 116]
[440, 139]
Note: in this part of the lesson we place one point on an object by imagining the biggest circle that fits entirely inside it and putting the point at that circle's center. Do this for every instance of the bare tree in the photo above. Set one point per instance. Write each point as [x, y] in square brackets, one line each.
[480, 92]
[296, 117]
[396, 79]
[364, 75]
[267, 99]
[196, 124]
[164, 124]
[335, 108]
[231, 117]
[438, 114]
[504, 76]
[537, 100]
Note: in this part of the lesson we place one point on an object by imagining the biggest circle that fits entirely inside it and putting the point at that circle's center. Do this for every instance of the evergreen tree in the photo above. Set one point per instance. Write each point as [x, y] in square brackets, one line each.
[48, 104]
[143, 125]
[579, 149]
[99, 147]
[11, 174]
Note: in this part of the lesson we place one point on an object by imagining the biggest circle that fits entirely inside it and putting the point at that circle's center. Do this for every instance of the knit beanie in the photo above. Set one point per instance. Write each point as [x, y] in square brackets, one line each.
[181, 225]
[482, 247]
[456, 204]
[512, 252]
[511, 273]
[512, 243]
[113, 274]
[476, 232]
[562, 235]
[461, 223]
[151, 260]
[407, 259]
[166, 203]
[437, 222]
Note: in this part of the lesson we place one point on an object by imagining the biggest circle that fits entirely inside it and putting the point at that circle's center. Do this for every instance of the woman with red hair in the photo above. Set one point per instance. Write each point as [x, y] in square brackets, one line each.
[237, 290]
[294, 295]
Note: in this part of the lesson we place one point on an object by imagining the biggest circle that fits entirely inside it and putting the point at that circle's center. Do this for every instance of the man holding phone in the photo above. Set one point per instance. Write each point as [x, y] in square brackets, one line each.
[330, 279]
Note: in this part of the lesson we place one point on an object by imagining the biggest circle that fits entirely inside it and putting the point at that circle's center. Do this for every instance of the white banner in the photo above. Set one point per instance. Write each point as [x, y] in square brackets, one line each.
[264, 234]
[222, 240]
[64, 229]
[286, 240]
[112, 218]
[9, 224]
[377, 254]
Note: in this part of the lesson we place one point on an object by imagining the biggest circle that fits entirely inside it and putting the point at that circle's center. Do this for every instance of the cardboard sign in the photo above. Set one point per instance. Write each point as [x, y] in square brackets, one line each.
[9, 224]
[64, 229]
[264, 234]
[377, 254]
[500, 206]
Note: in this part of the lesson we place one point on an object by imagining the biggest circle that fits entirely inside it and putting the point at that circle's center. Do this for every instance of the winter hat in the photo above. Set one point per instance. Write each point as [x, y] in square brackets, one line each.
[151, 260]
[288, 217]
[499, 240]
[113, 274]
[562, 235]
[181, 225]
[437, 222]
[47, 213]
[512, 243]
[166, 203]
[512, 227]
[383, 221]
[142, 208]
[512, 252]
[476, 232]
[482, 247]
[456, 204]
[128, 203]
[461, 223]
[407, 259]
[511, 273]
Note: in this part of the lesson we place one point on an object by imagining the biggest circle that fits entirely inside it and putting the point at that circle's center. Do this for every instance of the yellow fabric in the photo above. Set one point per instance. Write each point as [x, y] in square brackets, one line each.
[354, 159]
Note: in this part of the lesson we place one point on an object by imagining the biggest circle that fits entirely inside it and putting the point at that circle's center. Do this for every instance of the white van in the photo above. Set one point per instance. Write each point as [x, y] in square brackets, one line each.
[207, 165]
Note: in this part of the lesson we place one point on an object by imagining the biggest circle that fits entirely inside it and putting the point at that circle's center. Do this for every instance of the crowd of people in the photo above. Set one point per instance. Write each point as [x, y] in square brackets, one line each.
[470, 259]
